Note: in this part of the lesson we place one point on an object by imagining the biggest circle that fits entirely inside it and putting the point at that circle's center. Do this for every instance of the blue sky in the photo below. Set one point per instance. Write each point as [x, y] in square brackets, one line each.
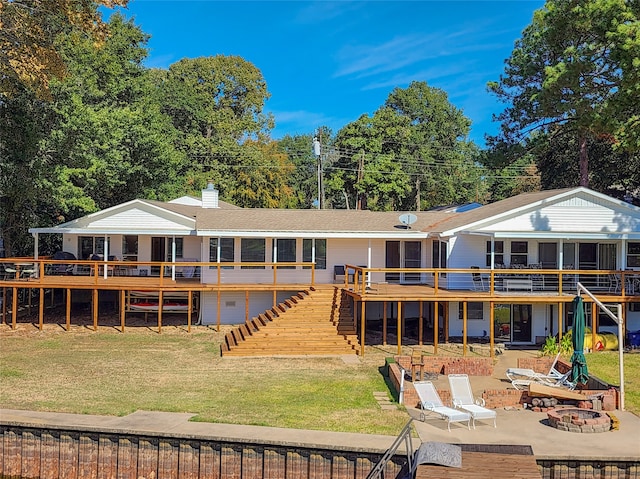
[327, 63]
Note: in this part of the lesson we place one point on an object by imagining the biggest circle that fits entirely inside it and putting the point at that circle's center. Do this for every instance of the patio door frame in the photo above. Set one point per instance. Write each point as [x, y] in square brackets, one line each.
[523, 324]
[400, 254]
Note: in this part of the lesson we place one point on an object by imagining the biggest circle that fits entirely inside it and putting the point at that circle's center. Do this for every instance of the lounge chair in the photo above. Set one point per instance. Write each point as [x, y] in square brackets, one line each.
[463, 398]
[521, 377]
[430, 402]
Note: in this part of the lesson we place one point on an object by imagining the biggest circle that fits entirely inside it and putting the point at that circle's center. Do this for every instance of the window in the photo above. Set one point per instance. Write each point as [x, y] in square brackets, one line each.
[285, 252]
[130, 248]
[498, 253]
[227, 253]
[320, 252]
[633, 255]
[88, 245]
[519, 252]
[439, 254]
[179, 248]
[252, 250]
[474, 311]
[548, 255]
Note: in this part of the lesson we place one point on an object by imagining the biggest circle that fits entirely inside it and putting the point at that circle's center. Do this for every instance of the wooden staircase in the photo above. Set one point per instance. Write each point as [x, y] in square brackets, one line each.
[314, 322]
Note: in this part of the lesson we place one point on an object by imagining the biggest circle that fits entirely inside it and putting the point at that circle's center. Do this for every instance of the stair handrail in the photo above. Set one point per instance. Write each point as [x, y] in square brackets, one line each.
[403, 437]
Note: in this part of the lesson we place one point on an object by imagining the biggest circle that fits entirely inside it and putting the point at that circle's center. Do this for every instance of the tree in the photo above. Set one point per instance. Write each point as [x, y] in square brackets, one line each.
[28, 32]
[101, 140]
[216, 105]
[574, 69]
[415, 146]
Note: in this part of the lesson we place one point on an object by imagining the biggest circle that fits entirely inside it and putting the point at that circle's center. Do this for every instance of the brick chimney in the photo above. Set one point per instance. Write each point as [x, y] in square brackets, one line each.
[210, 196]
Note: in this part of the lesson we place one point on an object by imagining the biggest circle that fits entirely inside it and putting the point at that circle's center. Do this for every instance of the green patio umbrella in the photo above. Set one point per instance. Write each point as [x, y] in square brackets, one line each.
[579, 371]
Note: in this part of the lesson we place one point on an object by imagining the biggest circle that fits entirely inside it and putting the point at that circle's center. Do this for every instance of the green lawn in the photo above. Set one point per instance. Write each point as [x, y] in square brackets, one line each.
[605, 365]
[115, 374]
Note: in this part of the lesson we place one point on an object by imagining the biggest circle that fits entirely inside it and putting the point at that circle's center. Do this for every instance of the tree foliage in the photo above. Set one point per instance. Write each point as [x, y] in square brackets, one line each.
[216, 104]
[575, 72]
[413, 153]
[28, 31]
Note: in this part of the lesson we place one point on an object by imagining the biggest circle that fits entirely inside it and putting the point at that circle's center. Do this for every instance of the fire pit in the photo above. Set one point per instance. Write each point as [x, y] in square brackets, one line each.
[579, 420]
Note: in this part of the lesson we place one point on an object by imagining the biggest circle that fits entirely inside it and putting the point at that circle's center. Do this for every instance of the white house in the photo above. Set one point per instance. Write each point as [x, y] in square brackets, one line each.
[516, 261]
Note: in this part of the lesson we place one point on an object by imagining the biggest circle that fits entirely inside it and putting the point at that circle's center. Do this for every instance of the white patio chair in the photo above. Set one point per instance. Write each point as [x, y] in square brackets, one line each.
[522, 377]
[463, 398]
[430, 402]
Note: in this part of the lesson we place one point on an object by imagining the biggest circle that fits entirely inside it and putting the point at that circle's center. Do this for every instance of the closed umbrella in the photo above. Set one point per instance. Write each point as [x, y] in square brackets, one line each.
[579, 371]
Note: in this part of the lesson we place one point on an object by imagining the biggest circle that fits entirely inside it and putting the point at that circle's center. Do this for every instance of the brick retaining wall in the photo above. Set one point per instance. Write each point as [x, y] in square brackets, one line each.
[27, 452]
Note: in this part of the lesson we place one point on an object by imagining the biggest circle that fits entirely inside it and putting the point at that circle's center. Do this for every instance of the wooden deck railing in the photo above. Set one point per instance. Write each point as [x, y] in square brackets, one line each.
[497, 281]
[30, 272]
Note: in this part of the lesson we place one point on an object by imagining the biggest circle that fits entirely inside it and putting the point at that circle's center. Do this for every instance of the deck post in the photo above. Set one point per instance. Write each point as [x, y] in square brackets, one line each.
[594, 326]
[68, 309]
[190, 306]
[160, 301]
[560, 316]
[464, 329]
[4, 305]
[95, 309]
[362, 327]
[14, 307]
[122, 312]
[421, 324]
[246, 306]
[41, 309]
[218, 306]
[492, 353]
[445, 310]
[436, 326]
[399, 327]
[384, 324]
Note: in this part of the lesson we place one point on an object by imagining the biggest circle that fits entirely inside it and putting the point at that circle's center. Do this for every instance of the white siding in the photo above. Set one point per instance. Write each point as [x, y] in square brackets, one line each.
[576, 215]
[140, 218]
[233, 304]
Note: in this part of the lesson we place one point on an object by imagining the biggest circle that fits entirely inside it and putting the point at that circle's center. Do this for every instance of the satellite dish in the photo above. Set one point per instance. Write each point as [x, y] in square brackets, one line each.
[407, 219]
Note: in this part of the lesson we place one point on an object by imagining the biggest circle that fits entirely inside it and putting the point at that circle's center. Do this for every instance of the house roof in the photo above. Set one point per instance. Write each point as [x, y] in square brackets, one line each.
[230, 220]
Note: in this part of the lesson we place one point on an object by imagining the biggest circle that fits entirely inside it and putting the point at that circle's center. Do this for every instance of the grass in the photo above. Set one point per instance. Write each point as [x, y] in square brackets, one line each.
[115, 374]
[605, 365]
[110, 373]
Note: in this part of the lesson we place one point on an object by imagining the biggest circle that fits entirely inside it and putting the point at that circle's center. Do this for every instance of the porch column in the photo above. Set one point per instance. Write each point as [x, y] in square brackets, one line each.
[369, 263]
[464, 328]
[492, 353]
[436, 327]
[493, 252]
[173, 258]
[399, 331]
[623, 262]
[105, 256]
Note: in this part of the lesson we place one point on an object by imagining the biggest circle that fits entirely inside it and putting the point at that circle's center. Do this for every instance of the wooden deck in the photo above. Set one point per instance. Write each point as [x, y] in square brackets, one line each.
[487, 461]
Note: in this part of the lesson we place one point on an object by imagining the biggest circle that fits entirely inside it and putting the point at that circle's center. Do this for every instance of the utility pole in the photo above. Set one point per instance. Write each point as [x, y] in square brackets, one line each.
[317, 152]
